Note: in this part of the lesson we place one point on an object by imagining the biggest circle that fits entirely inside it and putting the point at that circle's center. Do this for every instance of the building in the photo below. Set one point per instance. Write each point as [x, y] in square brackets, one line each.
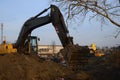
[46, 50]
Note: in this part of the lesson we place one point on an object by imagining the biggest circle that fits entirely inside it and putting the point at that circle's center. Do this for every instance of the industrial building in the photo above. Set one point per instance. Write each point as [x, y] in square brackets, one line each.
[46, 50]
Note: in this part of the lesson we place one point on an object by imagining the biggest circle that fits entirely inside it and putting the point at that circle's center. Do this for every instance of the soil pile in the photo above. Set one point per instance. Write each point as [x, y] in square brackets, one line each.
[29, 67]
[99, 68]
[106, 68]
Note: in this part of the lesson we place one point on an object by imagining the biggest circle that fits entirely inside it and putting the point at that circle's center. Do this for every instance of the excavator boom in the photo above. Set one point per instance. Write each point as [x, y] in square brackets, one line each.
[27, 28]
[55, 17]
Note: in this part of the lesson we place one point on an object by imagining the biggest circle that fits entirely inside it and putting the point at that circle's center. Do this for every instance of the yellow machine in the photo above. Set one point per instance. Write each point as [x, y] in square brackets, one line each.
[95, 51]
[99, 53]
[7, 48]
[92, 48]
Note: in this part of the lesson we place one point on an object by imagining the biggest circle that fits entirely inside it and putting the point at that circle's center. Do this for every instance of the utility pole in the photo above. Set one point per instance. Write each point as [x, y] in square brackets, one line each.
[53, 47]
[1, 32]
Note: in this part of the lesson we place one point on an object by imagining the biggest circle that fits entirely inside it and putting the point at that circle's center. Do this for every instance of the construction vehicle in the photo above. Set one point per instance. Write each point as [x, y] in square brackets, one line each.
[72, 53]
[94, 51]
[92, 48]
[6, 48]
[55, 17]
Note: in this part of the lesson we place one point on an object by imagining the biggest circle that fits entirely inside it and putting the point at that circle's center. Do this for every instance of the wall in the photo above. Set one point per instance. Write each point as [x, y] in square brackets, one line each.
[49, 49]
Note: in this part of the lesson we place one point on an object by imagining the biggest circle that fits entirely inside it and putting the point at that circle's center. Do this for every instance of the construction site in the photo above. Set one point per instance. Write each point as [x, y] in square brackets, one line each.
[27, 60]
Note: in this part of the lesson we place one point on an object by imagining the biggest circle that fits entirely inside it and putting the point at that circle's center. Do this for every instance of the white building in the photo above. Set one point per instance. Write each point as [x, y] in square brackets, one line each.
[45, 50]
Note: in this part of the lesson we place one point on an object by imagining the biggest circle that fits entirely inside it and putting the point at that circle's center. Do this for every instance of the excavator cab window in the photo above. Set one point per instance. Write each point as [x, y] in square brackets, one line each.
[33, 44]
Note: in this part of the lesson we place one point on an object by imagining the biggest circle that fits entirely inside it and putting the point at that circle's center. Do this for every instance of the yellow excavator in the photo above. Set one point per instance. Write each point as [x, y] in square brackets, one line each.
[74, 55]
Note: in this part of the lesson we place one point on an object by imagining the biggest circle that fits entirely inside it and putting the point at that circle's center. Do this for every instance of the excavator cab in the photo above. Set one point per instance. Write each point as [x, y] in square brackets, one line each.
[34, 44]
[31, 45]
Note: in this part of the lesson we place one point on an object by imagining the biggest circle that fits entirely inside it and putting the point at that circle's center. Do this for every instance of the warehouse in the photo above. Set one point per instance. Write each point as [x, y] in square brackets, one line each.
[46, 50]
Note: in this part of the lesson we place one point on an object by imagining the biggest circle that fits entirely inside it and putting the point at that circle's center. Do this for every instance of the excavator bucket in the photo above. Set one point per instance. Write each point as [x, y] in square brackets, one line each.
[76, 56]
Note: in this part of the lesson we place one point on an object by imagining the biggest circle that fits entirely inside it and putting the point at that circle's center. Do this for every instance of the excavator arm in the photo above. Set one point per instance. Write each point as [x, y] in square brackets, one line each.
[28, 27]
[60, 27]
[55, 17]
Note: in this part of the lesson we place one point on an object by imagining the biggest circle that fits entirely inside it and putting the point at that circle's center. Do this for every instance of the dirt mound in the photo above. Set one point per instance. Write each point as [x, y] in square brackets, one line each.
[100, 68]
[106, 68]
[82, 75]
[28, 67]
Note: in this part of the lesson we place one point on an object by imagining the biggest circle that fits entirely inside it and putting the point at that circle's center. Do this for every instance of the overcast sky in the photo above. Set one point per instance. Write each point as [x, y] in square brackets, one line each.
[13, 13]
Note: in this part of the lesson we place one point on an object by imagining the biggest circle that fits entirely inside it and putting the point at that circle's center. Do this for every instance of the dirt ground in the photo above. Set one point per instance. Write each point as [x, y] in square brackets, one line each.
[29, 67]
[105, 68]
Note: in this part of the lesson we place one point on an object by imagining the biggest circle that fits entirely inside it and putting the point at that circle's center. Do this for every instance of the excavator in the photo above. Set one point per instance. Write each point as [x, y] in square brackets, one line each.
[73, 54]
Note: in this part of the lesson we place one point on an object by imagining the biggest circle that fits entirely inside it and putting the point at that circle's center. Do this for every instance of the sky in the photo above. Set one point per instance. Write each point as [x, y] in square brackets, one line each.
[14, 13]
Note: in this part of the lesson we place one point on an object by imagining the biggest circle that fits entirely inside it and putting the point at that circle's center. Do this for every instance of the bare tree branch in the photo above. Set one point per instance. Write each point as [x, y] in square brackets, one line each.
[117, 34]
[105, 8]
